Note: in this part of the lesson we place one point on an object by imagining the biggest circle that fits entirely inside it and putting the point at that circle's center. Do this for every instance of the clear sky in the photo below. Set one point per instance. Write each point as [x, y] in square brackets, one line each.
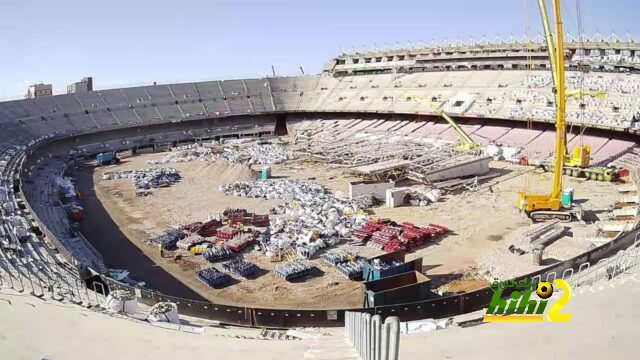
[135, 41]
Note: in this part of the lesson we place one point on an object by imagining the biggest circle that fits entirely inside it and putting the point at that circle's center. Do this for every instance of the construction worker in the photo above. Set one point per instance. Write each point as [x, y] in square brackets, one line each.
[161, 248]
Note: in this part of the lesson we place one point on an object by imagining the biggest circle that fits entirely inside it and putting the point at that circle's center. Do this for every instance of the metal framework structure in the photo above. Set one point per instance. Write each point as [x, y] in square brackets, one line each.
[383, 157]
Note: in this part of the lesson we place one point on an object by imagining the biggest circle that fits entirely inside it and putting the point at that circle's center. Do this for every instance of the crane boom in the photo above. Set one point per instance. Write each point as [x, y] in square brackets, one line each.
[556, 188]
[466, 142]
[549, 39]
[541, 206]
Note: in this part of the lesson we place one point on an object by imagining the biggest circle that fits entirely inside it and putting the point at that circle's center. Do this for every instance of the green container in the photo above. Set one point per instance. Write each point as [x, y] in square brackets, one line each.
[265, 173]
[567, 197]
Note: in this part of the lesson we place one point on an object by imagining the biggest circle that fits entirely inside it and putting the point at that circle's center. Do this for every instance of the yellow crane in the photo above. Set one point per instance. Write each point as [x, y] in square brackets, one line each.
[466, 142]
[576, 162]
[549, 206]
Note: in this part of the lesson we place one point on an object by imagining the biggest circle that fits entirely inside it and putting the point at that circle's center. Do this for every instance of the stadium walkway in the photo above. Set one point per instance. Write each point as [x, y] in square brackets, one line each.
[604, 324]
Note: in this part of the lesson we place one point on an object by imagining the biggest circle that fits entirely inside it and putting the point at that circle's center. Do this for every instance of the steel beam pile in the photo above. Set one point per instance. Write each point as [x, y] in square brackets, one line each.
[212, 277]
[293, 270]
[241, 268]
[358, 151]
[383, 156]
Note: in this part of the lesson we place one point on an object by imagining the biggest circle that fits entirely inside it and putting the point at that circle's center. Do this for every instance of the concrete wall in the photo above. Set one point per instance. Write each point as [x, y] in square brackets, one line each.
[475, 167]
[378, 188]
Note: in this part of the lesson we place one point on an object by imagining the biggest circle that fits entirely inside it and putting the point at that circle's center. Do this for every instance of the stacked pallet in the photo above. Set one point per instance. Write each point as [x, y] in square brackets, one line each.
[382, 237]
[241, 268]
[169, 239]
[192, 227]
[351, 269]
[389, 237]
[335, 257]
[364, 233]
[212, 277]
[189, 241]
[217, 253]
[226, 232]
[240, 241]
[209, 228]
[293, 270]
[200, 248]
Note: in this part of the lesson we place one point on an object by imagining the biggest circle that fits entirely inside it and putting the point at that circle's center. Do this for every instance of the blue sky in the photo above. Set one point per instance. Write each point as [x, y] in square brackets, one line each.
[129, 42]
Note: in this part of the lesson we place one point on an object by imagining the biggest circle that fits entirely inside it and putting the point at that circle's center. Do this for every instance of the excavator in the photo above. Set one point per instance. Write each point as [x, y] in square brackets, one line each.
[577, 162]
[540, 207]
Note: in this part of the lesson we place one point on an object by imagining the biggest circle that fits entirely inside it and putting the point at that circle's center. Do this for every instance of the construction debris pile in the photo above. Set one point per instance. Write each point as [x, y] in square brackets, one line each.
[246, 154]
[293, 270]
[313, 219]
[423, 196]
[389, 236]
[147, 178]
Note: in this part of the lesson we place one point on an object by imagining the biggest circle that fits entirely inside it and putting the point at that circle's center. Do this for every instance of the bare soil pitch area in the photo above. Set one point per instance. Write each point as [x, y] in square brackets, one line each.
[481, 222]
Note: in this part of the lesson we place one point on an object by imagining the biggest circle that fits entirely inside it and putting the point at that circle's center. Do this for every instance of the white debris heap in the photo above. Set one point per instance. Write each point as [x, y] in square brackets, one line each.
[147, 178]
[311, 220]
[249, 155]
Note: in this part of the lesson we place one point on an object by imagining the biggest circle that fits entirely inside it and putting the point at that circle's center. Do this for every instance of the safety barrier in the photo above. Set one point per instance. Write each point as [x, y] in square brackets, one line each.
[373, 339]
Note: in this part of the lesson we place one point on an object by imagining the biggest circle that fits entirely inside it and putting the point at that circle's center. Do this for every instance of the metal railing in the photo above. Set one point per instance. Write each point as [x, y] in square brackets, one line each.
[372, 339]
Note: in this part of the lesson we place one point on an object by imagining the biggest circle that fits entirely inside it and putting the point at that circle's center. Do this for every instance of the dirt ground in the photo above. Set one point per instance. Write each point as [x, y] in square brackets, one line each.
[481, 224]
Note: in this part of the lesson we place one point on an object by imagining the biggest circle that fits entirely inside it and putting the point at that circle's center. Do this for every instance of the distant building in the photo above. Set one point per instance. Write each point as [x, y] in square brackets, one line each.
[85, 85]
[39, 90]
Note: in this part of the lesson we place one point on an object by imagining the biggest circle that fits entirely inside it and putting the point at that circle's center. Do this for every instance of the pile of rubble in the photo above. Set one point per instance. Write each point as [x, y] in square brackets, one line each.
[147, 178]
[249, 155]
[311, 220]
[422, 196]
